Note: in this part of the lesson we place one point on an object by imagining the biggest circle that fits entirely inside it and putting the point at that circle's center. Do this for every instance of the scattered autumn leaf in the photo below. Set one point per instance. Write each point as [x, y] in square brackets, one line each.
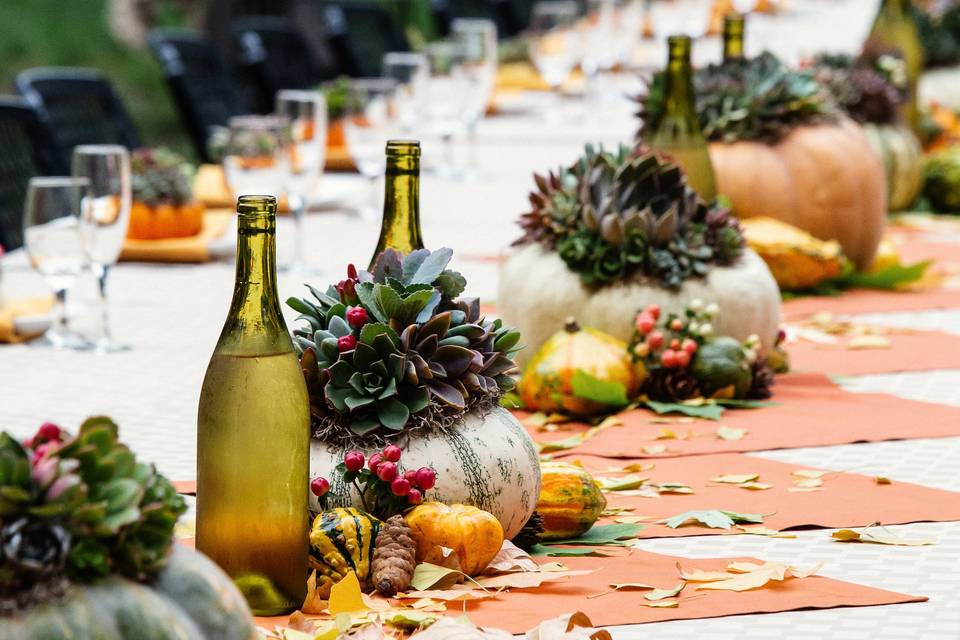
[526, 580]
[620, 484]
[882, 480]
[739, 478]
[460, 628]
[713, 518]
[869, 342]
[763, 531]
[661, 594]
[346, 596]
[654, 449]
[756, 486]
[313, 603]
[730, 433]
[879, 535]
[632, 586]
[615, 511]
[674, 487]
[511, 558]
[575, 626]
[808, 483]
[427, 576]
[663, 604]
[809, 473]
[744, 576]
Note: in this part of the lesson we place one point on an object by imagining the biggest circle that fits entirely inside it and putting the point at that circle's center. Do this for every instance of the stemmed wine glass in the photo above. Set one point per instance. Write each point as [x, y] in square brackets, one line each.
[54, 243]
[447, 92]
[255, 156]
[306, 113]
[411, 72]
[478, 40]
[554, 47]
[370, 119]
[105, 216]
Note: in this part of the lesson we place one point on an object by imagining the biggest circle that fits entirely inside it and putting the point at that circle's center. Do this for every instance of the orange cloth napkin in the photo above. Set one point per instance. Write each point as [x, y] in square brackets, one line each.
[192, 249]
[13, 309]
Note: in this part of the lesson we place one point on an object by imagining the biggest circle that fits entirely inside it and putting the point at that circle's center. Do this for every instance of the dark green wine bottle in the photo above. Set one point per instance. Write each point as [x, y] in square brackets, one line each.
[401, 199]
[895, 29]
[253, 433]
[678, 132]
[733, 27]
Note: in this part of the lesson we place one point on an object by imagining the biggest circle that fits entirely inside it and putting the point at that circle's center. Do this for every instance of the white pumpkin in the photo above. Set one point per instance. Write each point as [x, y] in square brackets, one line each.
[538, 293]
[486, 461]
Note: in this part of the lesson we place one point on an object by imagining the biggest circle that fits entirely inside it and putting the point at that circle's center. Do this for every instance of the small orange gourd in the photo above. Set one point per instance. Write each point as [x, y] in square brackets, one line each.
[474, 535]
[547, 385]
[164, 220]
[570, 500]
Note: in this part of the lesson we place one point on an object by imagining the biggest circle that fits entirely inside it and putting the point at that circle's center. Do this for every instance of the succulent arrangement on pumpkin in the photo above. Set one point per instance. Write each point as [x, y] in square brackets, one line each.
[776, 136]
[163, 203]
[82, 521]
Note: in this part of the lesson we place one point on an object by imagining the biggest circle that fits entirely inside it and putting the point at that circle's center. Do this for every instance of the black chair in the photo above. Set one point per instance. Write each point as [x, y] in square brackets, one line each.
[205, 92]
[80, 106]
[28, 150]
[359, 33]
[504, 13]
[273, 55]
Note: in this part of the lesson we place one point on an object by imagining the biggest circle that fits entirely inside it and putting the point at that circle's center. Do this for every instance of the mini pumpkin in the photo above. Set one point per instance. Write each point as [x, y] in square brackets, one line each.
[342, 540]
[796, 259]
[570, 500]
[547, 382]
[474, 535]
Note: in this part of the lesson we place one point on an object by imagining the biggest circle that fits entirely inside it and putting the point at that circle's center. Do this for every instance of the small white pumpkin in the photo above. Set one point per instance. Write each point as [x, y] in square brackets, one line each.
[538, 293]
[487, 461]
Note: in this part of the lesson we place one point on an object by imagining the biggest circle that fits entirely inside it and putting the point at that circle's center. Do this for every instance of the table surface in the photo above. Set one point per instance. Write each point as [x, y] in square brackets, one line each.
[172, 315]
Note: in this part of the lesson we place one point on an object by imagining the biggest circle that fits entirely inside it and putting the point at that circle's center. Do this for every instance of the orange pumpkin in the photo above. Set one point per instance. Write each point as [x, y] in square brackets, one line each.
[825, 179]
[474, 535]
[156, 222]
[335, 135]
[547, 382]
[570, 500]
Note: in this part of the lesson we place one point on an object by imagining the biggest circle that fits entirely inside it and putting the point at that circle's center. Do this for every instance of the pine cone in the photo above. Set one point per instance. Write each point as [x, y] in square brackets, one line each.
[670, 385]
[529, 534]
[762, 380]
[394, 557]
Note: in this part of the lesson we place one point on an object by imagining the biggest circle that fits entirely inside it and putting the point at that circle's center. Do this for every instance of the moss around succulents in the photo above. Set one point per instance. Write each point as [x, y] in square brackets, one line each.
[76, 509]
[397, 349]
[749, 99]
[629, 214]
[160, 176]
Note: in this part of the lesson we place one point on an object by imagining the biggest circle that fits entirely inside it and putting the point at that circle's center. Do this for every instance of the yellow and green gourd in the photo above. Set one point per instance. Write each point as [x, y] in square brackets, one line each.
[570, 500]
[342, 540]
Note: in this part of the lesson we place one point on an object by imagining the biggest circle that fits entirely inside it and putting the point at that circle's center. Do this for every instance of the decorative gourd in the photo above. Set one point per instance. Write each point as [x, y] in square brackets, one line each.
[191, 598]
[722, 369]
[570, 500]
[474, 535]
[342, 540]
[163, 204]
[902, 160]
[156, 222]
[825, 179]
[547, 381]
[796, 259]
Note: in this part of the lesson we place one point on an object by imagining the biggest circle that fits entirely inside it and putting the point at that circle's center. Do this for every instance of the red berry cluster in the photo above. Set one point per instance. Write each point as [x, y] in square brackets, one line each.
[675, 343]
[347, 288]
[47, 439]
[385, 488]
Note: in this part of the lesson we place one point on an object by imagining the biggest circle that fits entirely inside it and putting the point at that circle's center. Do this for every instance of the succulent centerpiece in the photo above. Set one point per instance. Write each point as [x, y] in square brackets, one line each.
[163, 203]
[871, 89]
[397, 356]
[781, 148]
[622, 229]
[86, 535]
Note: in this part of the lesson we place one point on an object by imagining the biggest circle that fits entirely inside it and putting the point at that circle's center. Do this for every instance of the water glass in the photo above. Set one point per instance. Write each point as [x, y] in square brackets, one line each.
[447, 98]
[306, 114]
[411, 72]
[105, 215]
[254, 161]
[478, 40]
[555, 46]
[370, 119]
[54, 242]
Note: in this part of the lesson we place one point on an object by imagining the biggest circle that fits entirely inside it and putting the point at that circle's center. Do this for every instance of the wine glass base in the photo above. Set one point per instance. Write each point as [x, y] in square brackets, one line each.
[106, 345]
[60, 341]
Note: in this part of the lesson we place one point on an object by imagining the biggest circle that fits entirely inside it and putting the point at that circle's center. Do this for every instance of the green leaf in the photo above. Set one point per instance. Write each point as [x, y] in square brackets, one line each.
[450, 283]
[562, 552]
[713, 518]
[706, 411]
[392, 413]
[586, 386]
[605, 534]
[889, 278]
[300, 306]
[423, 266]
[368, 300]
[373, 329]
[736, 403]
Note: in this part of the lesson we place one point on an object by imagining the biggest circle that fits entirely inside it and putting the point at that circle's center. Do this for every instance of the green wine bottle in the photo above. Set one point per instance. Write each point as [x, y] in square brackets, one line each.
[253, 433]
[733, 28]
[894, 28]
[401, 199]
[677, 133]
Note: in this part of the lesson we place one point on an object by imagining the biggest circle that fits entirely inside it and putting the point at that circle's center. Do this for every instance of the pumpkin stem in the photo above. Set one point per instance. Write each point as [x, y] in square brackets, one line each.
[571, 325]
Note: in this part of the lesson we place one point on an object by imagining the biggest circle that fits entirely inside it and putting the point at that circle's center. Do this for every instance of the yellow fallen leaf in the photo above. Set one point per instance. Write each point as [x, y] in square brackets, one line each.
[631, 519]
[511, 558]
[803, 489]
[576, 626]
[745, 576]
[808, 483]
[346, 596]
[869, 342]
[763, 531]
[615, 511]
[526, 580]
[882, 480]
[808, 473]
[654, 449]
[429, 604]
[540, 419]
[632, 586]
[730, 433]
[635, 467]
[448, 595]
[736, 478]
[662, 594]
[674, 487]
[625, 483]
[879, 535]
[699, 575]
[553, 566]
[663, 604]
[756, 486]
[313, 603]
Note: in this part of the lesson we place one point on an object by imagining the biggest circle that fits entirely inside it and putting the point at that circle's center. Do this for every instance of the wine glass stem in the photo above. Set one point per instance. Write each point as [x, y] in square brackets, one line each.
[472, 164]
[373, 196]
[297, 207]
[448, 150]
[102, 271]
[62, 327]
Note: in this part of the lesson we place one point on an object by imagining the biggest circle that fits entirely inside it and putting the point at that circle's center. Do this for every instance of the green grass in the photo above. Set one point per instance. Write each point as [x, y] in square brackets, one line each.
[75, 33]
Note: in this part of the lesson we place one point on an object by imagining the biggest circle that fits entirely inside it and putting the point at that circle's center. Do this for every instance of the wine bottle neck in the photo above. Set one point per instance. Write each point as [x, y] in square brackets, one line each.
[401, 201]
[733, 32]
[255, 319]
[678, 88]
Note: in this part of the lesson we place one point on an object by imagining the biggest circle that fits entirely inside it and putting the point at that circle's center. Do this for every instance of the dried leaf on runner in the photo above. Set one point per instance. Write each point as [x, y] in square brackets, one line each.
[346, 596]
[809, 473]
[730, 433]
[869, 342]
[674, 487]
[632, 519]
[745, 576]
[615, 511]
[804, 489]
[313, 603]
[763, 531]
[672, 603]
[459, 628]
[632, 586]
[526, 580]
[448, 595]
[410, 620]
[880, 535]
[511, 558]
[735, 478]
[427, 576]
[756, 486]
[577, 439]
[604, 534]
[625, 483]
[633, 467]
[576, 626]
[662, 594]
[700, 575]
[882, 480]
[713, 518]
[654, 449]
[808, 483]
[540, 419]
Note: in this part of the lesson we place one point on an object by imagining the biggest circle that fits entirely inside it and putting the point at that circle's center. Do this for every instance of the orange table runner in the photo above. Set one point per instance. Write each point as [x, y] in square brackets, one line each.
[918, 351]
[811, 411]
[843, 499]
